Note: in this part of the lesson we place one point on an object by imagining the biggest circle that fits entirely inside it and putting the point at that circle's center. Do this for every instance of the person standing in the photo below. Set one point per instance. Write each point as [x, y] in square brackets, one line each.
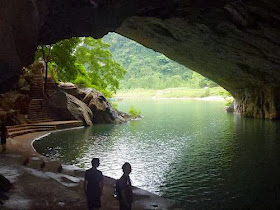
[4, 135]
[124, 188]
[93, 185]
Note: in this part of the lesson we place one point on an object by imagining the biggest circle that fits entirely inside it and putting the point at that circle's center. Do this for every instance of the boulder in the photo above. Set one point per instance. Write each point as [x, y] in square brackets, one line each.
[14, 107]
[102, 110]
[229, 108]
[69, 107]
[23, 85]
[12, 117]
[7, 100]
[72, 89]
[5, 186]
[22, 104]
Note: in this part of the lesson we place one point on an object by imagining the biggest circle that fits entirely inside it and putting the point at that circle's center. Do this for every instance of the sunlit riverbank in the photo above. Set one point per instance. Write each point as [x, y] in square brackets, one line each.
[182, 92]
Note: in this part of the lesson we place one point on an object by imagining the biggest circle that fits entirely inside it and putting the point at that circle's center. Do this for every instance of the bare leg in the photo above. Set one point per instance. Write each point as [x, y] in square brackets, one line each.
[4, 147]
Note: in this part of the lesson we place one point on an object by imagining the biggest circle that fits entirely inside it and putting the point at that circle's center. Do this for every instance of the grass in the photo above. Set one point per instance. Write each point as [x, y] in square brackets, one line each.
[134, 112]
[182, 92]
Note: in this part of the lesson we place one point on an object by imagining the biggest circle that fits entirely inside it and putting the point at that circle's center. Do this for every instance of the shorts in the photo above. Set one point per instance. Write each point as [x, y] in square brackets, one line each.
[3, 140]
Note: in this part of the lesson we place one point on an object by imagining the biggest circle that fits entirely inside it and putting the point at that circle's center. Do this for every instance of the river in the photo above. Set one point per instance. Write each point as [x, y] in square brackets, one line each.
[186, 150]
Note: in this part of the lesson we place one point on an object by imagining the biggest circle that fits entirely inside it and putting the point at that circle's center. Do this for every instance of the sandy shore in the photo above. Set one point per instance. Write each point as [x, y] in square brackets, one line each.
[39, 185]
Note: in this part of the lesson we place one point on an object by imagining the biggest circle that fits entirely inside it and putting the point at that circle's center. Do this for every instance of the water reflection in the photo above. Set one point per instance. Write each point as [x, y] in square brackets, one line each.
[190, 151]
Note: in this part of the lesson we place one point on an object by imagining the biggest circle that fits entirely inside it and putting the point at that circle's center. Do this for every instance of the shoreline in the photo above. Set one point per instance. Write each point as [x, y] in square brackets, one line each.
[27, 194]
[208, 98]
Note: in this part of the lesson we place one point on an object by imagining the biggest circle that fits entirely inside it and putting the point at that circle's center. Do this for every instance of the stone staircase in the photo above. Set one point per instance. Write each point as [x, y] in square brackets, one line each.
[38, 108]
[40, 111]
[37, 87]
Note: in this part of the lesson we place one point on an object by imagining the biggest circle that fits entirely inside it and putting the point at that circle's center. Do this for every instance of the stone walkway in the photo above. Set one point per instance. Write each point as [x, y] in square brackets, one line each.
[42, 183]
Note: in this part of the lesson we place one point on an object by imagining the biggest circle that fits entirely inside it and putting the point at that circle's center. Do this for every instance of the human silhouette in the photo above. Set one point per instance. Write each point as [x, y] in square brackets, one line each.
[124, 188]
[4, 134]
[93, 185]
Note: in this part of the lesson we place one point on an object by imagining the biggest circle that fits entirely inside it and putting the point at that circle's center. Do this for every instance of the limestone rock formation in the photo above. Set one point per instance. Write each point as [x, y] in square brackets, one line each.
[101, 109]
[69, 107]
[72, 89]
[235, 42]
[13, 107]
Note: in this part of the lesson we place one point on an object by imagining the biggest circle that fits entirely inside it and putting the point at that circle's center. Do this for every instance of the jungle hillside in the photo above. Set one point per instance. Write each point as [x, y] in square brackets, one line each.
[149, 73]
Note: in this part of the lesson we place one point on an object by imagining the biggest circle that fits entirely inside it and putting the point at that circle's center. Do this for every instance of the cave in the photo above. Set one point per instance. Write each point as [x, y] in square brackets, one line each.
[232, 42]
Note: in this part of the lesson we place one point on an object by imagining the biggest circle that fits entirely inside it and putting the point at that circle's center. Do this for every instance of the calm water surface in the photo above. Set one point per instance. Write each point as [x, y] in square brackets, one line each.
[186, 150]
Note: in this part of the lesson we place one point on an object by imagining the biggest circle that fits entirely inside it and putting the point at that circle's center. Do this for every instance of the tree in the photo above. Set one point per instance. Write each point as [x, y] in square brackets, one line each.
[64, 61]
[103, 71]
[84, 61]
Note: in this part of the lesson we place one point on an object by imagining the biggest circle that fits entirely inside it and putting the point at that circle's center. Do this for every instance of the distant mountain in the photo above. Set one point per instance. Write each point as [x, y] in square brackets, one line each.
[144, 65]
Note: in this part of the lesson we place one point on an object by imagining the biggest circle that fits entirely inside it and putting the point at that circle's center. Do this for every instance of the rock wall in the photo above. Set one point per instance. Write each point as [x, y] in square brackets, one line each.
[233, 42]
[19, 27]
[258, 103]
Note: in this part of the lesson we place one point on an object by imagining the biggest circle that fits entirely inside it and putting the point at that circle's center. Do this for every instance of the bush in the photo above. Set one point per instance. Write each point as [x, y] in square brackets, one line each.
[134, 112]
[114, 104]
[206, 92]
[229, 101]
[82, 81]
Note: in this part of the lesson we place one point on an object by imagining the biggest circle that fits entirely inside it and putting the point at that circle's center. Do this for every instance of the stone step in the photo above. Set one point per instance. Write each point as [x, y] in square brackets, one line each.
[26, 131]
[47, 123]
[40, 122]
[31, 126]
[35, 92]
[39, 114]
[37, 120]
[39, 117]
[39, 110]
[28, 124]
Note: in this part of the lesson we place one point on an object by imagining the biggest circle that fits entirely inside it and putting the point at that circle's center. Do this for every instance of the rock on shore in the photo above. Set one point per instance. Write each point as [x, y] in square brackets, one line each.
[5, 186]
[88, 105]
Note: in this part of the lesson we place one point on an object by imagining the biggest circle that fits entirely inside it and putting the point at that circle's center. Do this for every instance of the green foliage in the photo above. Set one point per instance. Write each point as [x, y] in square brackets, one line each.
[103, 71]
[62, 55]
[149, 69]
[206, 92]
[134, 112]
[229, 101]
[86, 62]
[82, 81]
[114, 104]
[199, 81]
[225, 94]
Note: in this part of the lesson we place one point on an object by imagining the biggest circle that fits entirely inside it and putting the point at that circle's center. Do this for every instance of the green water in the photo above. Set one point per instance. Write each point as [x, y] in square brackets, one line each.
[186, 150]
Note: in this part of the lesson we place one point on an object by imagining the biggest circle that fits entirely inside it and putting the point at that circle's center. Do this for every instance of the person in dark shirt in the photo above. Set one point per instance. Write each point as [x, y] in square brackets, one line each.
[4, 134]
[93, 185]
[125, 189]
